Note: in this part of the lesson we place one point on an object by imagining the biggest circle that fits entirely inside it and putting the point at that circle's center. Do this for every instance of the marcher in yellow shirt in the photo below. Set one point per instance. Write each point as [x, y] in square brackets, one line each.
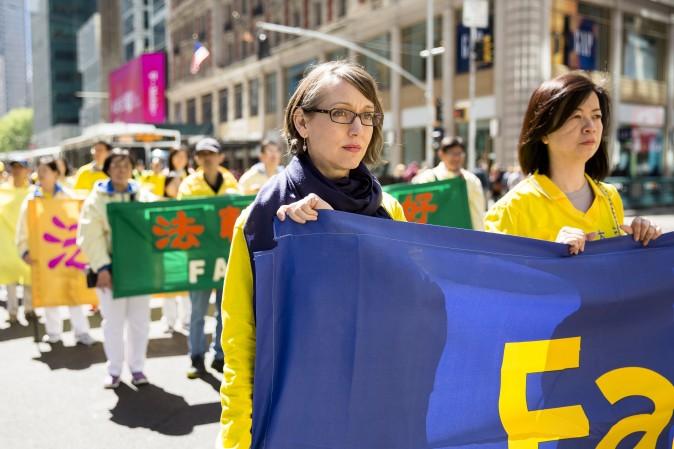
[88, 174]
[563, 149]
[269, 165]
[452, 155]
[333, 125]
[210, 180]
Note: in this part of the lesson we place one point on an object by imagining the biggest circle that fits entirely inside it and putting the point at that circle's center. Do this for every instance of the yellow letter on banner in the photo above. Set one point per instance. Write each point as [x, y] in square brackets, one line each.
[527, 428]
[634, 381]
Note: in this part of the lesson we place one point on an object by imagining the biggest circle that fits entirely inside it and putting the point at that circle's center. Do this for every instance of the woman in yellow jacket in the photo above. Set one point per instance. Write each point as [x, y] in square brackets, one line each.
[333, 124]
[563, 149]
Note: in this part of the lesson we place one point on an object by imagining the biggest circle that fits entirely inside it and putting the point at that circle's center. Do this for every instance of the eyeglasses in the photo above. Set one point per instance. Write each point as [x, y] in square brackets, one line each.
[346, 117]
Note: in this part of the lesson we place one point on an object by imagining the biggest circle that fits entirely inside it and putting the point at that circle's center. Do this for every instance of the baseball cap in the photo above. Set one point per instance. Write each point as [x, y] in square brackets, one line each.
[18, 162]
[208, 144]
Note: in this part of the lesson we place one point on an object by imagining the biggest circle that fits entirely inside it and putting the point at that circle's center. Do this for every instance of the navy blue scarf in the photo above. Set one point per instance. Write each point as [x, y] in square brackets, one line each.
[359, 193]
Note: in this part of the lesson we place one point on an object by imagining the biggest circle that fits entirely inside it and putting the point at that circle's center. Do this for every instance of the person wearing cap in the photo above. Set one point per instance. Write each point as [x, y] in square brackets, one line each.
[88, 174]
[452, 154]
[17, 186]
[130, 313]
[209, 180]
[269, 165]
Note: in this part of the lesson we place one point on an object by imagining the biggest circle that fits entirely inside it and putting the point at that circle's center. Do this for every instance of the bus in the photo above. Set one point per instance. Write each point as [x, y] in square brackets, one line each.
[139, 139]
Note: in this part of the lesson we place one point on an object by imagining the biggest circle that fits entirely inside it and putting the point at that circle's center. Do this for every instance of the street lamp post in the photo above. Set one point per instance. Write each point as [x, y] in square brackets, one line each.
[430, 104]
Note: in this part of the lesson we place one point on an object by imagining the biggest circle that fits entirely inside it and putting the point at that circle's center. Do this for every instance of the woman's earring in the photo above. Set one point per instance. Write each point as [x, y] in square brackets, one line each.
[304, 146]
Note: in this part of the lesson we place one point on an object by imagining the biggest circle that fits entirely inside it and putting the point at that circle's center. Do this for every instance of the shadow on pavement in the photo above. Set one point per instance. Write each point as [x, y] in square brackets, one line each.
[153, 408]
[82, 357]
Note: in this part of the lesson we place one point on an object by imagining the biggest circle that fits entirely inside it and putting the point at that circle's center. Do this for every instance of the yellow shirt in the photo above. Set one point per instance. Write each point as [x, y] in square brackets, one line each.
[195, 185]
[538, 209]
[153, 182]
[87, 175]
[238, 337]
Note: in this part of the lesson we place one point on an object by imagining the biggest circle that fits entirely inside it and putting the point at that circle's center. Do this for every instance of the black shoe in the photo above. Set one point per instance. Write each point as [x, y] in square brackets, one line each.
[198, 369]
[218, 364]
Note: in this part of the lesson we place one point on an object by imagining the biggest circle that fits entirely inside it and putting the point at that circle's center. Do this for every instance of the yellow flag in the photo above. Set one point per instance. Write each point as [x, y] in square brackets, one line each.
[12, 268]
[59, 277]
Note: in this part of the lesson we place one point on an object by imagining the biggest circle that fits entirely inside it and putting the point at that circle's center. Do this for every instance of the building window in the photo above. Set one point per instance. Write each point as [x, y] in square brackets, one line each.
[238, 101]
[318, 14]
[413, 42]
[191, 111]
[270, 93]
[223, 105]
[207, 108]
[293, 76]
[644, 48]
[337, 55]
[159, 36]
[341, 8]
[382, 46]
[129, 51]
[177, 112]
[253, 96]
[128, 24]
[413, 143]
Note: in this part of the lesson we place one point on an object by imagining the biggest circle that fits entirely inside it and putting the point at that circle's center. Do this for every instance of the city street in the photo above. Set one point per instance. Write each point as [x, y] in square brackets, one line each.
[53, 397]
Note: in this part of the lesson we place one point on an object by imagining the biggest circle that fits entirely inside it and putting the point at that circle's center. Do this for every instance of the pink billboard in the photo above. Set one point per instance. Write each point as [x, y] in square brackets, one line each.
[136, 90]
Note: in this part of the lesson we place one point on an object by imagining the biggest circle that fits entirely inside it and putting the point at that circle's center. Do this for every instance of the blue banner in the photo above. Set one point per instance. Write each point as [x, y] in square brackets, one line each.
[463, 47]
[374, 334]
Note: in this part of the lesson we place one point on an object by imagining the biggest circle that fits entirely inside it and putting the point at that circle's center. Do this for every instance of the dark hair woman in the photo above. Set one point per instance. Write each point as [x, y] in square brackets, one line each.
[563, 149]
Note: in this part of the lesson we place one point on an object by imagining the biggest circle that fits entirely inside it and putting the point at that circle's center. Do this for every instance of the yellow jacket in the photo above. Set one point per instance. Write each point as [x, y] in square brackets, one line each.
[154, 182]
[238, 336]
[93, 232]
[195, 185]
[87, 175]
[538, 209]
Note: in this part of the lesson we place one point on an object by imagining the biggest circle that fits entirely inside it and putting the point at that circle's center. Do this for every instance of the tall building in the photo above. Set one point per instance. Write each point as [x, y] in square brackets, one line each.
[143, 27]
[89, 65]
[54, 26]
[244, 85]
[14, 83]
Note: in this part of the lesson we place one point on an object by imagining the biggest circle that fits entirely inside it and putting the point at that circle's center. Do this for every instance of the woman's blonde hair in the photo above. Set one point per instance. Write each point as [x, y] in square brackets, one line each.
[309, 94]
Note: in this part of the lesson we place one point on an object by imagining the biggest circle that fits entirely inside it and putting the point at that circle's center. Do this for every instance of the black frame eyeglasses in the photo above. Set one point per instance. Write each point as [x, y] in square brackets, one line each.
[346, 117]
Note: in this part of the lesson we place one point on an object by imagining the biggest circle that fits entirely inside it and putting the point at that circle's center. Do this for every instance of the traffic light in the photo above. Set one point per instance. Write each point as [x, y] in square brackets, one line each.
[487, 49]
[262, 46]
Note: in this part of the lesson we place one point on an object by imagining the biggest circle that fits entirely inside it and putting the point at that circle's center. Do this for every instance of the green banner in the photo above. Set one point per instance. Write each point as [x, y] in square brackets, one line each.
[171, 246]
[443, 203]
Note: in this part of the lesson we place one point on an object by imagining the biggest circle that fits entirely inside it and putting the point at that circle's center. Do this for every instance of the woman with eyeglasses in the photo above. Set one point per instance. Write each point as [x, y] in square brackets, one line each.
[333, 125]
[563, 150]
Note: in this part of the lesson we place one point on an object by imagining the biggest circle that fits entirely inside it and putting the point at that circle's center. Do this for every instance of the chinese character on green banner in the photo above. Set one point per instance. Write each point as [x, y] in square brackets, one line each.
[443, 203]
[172, 246]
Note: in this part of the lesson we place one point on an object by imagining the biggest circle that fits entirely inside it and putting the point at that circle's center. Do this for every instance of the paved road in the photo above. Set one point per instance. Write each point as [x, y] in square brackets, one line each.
[53, 397]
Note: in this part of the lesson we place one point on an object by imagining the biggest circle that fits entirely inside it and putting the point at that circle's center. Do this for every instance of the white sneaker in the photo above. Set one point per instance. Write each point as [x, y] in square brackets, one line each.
[85, 339]
[51, 339]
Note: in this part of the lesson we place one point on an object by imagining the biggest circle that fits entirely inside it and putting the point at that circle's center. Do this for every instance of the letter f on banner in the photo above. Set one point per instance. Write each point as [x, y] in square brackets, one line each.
[527, 428]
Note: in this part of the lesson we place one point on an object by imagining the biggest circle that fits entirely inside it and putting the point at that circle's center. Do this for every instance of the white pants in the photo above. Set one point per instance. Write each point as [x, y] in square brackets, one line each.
[174, 307]
[13, 300]
[54, 324]
[132, 312]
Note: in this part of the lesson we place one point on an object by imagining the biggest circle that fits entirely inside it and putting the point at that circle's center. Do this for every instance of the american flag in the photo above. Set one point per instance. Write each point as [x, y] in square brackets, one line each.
[199, 56]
